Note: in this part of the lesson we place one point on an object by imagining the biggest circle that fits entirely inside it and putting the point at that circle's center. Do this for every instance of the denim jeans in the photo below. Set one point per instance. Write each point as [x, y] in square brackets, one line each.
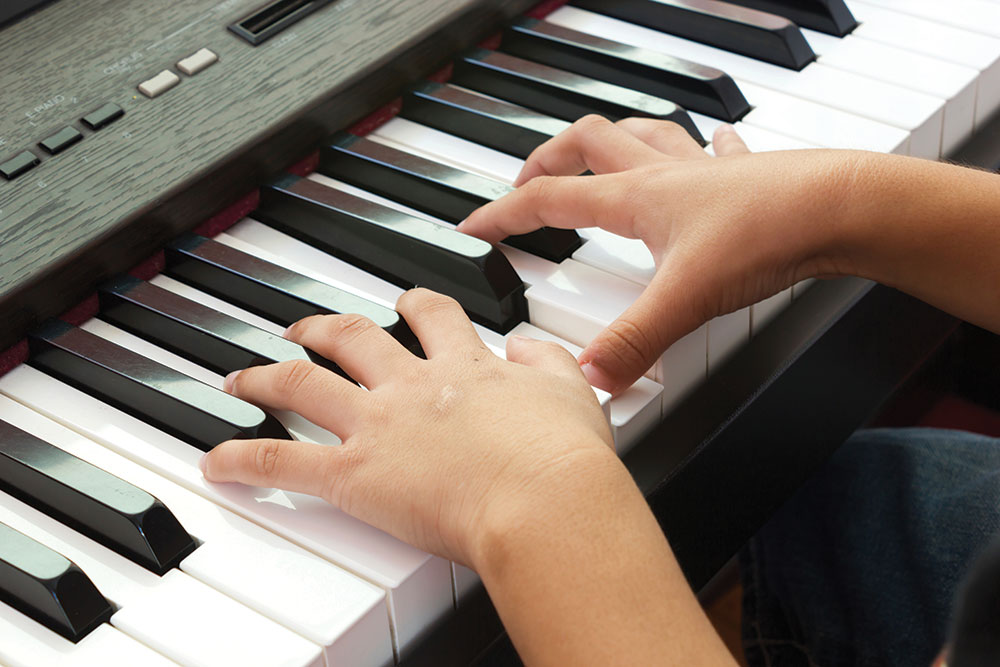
[861, 567]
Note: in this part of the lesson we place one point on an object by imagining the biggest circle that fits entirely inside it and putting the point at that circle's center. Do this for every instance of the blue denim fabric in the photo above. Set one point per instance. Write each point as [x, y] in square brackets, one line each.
[861, 567]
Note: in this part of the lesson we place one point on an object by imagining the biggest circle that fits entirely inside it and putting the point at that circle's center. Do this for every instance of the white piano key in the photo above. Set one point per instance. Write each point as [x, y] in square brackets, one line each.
[343, 614]
[941, 41]
[175, 615]
[763, 312]
[972, 15]
[727, 334]
[26, 643]
[800, 288]
[820, 125]
[956, 84]
[760, 140]
[919, 114]
[418, 585]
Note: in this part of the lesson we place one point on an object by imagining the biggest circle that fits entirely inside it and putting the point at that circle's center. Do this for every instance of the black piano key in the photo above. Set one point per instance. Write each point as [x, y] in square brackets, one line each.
[48, 587]
[830, 16]
[194, 331]
[693, 86]
[111, 511]
[560, 93]
[442, 191]
[400, 248]
[493, 123]
[190, 410]
[766, 37]
[269, 290]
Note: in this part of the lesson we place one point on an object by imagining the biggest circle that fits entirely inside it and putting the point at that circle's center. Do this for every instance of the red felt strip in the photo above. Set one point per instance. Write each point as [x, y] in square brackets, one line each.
[229, 216]
[13, 357]
[543, 9]
[377, 119]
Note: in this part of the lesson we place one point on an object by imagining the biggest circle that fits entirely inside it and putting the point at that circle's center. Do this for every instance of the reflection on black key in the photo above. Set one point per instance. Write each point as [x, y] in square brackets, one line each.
[763, 36]
[113, 512]
[693, 86]
[493, 123]
[48, 587]
[269, 290]
[560, 93]
[173, 402]
[400, 248]
[187, 328]
[442, 191]
[829, 16]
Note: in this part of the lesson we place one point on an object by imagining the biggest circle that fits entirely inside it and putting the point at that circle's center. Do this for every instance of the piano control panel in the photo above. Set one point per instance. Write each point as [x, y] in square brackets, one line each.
[137, 103]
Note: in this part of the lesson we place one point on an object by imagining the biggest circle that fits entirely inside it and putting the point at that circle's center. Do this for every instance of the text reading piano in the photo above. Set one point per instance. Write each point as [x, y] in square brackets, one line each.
[182, 180]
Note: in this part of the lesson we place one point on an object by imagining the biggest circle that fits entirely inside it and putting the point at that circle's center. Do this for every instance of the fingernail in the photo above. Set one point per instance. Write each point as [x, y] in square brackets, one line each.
[596, 377]
[203, 463]
[460, 227]
[519, 338]
[227, 384]
[727, 128]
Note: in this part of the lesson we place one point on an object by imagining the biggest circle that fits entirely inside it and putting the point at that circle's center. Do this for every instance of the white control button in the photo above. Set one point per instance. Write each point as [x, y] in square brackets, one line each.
[197, 61]
[159, 84]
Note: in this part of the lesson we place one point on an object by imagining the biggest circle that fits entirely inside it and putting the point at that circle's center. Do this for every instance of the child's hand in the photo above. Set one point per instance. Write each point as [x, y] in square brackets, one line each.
[437, 452]
[725, 232]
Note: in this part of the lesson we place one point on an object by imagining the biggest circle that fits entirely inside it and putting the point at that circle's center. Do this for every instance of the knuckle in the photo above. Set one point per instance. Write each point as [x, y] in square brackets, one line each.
[266, 458]
[631, 344]
[591, 122]
[540, 187]
[293, 376]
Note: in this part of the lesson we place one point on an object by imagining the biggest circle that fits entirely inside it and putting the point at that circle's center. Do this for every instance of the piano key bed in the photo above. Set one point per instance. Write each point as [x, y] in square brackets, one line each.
[113, 548]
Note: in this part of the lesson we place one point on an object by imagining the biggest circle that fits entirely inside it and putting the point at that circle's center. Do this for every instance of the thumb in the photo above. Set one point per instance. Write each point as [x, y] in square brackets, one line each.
[620, 354]
[305, 467]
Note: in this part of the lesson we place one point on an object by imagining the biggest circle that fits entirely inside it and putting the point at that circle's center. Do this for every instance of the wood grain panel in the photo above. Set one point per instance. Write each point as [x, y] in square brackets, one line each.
[170, 162]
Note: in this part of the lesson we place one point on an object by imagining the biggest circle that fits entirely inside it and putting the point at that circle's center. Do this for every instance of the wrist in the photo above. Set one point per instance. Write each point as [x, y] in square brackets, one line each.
[542, 506]
[839, 212]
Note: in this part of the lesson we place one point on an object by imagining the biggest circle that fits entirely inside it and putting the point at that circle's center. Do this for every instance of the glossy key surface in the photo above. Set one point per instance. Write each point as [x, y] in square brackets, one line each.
[559, 93]
[270, 290]
[762, 36]
[400, 248]
[829, 16]
[48, 587]
[442, 191]
[110, 510]
[215, 340]
[692, 86]
[190, 410]
[494, 123]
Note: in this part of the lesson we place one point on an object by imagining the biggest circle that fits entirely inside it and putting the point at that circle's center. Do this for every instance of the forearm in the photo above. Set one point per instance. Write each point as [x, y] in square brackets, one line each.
[929, 229]
[585, 577]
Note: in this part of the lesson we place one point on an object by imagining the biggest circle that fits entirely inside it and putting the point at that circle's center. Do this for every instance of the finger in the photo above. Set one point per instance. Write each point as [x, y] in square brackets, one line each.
[364, 350]
[545, 355]
[438, 321]
[593, 143]
[566, 202]
[665, 136]
[319, 395]
[630, 345]
[726, 141]
[293, 466]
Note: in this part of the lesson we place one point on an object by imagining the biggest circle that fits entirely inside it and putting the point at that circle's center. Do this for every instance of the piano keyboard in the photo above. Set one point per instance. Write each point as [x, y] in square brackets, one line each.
[115, 549]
